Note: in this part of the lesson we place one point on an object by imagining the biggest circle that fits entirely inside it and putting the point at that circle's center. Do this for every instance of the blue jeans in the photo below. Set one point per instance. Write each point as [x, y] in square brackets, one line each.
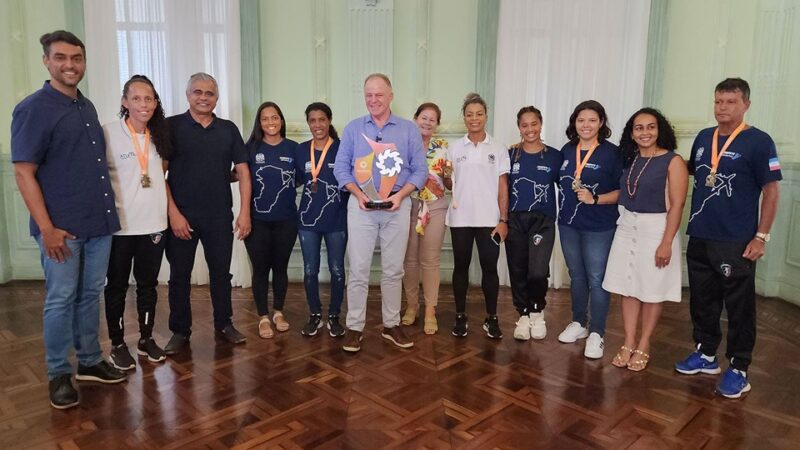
[72, 303]
[586, 254]
[335, 244]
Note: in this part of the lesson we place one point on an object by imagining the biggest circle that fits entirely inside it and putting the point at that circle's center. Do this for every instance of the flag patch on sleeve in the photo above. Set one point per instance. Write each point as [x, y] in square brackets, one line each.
[774, 164]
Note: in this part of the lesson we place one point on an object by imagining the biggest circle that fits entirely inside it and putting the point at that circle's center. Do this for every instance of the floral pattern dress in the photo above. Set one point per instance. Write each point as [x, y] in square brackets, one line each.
[432, 195]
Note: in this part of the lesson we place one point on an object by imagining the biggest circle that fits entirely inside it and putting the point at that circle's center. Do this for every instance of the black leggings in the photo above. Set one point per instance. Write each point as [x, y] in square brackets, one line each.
[488, 252]
[269, 246]
[144, 253]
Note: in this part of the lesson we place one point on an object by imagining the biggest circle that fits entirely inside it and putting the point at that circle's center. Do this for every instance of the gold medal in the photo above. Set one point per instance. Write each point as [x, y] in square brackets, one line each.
[313, 188]
[145, 181]
[576, 184]
[711, 179]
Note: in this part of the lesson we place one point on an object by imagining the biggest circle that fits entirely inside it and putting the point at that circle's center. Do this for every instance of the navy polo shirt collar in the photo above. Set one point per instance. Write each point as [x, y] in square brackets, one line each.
[66, 100]
[190, 119]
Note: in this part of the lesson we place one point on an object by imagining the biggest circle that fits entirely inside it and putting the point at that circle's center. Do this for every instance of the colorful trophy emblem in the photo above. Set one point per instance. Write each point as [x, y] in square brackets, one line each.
[387, 160]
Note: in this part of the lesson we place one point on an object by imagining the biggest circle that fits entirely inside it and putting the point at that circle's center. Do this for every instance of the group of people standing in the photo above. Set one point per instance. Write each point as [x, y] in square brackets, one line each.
[105, 200]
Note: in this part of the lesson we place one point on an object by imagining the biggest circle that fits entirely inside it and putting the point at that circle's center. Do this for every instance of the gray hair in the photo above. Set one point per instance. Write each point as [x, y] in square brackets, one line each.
[201, 76]
[378, 75]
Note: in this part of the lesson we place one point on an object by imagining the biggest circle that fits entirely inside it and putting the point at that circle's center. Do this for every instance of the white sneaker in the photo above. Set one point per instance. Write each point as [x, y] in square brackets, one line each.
[572, 333]
[594, 347]
[538, 328]
[523, 330]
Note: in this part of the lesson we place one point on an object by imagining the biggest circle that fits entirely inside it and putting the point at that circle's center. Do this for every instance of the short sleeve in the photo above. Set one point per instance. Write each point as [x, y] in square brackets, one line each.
[29, 137]
[766, 166]
[239, 154]
[690, 164]
[504, 165]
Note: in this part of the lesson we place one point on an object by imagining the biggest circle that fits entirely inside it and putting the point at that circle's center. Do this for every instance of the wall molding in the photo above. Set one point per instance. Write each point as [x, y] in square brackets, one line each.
[250, 30]
[657, 38]
[422, 38]
[322, 52]
[486, 53]
[371, 43]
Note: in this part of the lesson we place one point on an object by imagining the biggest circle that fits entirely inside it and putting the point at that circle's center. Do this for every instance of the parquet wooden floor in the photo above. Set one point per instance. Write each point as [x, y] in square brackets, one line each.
[296, 392]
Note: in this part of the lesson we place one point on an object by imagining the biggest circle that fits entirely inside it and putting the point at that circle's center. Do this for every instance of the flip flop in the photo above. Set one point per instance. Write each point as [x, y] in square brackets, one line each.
[265, 328]
[280, 322]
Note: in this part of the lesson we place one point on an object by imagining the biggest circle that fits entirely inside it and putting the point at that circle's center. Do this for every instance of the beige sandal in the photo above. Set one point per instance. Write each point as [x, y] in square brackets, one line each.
[280, 322]
[619, 360]
[431, 325]
[265, 328]
[410, 316]
[637, 365]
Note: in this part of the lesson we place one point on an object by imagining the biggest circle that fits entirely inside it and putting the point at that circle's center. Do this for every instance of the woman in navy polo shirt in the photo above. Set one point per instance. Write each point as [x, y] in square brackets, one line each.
[273, 211]
[322, 215]
[531, 222]
[589, 188]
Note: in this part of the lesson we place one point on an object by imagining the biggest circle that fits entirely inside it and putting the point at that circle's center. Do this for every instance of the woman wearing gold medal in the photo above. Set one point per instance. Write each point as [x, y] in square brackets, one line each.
[136, 145]
[589, 188]
[644, 265]
[322, 215]
[426, 234]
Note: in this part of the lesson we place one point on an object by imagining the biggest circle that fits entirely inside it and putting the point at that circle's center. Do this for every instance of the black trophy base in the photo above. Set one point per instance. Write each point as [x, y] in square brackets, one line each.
[378, 205]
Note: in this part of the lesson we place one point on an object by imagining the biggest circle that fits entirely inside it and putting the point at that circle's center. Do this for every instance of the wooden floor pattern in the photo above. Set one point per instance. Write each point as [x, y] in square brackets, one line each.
[296, 392]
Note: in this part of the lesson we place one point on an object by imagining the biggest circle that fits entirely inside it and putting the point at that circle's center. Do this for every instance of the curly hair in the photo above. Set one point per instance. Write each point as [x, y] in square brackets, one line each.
[593, 105]
[159, 129]
[666, 135]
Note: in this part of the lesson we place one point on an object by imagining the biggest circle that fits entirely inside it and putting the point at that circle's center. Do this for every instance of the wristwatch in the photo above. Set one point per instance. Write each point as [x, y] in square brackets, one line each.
[763, 237]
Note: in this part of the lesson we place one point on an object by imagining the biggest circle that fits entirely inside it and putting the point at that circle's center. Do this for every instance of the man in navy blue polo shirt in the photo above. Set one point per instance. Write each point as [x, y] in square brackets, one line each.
[380, 162]
[59, 157]
[200, 202]
[734, 164]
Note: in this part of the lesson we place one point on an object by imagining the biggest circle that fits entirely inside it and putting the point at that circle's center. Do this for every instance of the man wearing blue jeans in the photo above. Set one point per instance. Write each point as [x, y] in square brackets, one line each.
[382, 154]
[59, 157]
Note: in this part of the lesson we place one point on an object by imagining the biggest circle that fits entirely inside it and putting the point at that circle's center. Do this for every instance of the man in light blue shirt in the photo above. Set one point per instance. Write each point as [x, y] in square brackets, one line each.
[380, 161]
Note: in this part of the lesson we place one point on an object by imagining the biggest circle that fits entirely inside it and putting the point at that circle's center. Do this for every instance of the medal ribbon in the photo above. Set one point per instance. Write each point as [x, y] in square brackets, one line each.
[579, 165]
[716, 155]
[317, 168]
[142, 156]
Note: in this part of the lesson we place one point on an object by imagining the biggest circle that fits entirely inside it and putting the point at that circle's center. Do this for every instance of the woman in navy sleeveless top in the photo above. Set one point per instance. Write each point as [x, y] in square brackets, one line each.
[644, 265]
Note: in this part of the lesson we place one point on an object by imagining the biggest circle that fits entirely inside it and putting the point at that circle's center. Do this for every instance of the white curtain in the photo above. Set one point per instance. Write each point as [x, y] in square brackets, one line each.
[168, 41]
[553, 54]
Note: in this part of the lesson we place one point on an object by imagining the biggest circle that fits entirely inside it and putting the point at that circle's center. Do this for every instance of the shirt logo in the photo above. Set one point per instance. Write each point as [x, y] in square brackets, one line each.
[260, 159]
[128, 155]
[515, 168]
[461, 159]
[732, 155]
[699, 154]
[308, 166]
[330, 165]
[543, 168]
[491, 158]
[286, 159]
[564, 165]
[592, 166]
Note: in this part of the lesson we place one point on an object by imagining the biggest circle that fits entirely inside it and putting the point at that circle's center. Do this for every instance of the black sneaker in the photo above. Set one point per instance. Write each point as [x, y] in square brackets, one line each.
[62, 393]
[231, 334]
[460, 328]
[492, 327]
[314, 324]
[121, 358]
[176, 343]
[148, 347]
[102, 372]
[335, 328]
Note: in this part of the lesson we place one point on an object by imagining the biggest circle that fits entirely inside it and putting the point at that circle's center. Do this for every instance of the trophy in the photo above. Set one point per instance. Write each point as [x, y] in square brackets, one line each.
[385, 158]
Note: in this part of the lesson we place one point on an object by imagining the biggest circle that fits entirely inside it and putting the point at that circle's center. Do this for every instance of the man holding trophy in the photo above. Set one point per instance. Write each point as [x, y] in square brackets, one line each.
[380, 161]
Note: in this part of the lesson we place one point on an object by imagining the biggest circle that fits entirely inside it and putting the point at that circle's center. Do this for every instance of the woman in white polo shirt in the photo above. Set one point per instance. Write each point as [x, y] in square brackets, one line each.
[135, 146]
[478, 212]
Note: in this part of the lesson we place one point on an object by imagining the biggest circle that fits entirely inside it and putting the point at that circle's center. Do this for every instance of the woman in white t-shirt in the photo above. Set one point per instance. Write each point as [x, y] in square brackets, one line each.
[478, 212]
[135, 147]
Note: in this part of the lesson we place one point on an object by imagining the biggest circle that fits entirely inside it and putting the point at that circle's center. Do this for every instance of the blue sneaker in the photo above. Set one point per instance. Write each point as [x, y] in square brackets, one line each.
[733, 383]
[695, 363]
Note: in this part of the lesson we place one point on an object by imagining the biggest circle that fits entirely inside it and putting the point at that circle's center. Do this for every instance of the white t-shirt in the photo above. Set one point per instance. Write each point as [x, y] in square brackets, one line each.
[141, 210]
[476, 173]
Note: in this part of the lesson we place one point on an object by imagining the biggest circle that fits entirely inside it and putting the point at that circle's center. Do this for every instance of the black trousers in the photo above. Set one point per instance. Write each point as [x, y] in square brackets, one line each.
[528, 248]
[216, 235]
[488, 252]
[144, 253]
[719, 276]
[269, 246]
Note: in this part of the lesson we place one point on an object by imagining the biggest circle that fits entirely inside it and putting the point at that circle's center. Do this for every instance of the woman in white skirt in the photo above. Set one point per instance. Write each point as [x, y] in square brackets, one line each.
[644, 265]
